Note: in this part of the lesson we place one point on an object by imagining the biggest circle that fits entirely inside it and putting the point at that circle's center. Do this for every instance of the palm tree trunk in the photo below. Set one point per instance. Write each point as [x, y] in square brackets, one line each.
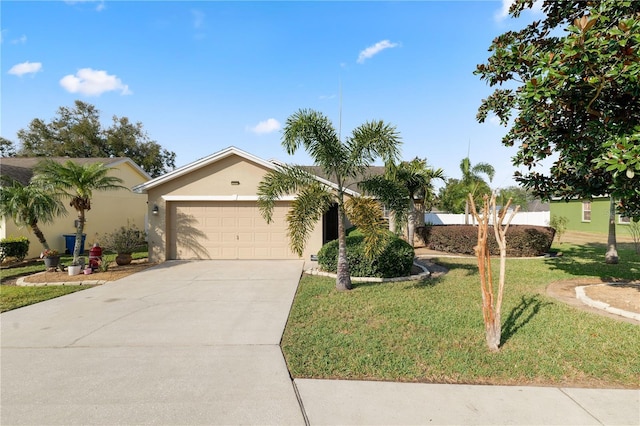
[39, 235]
[466, 212]
[411, 222]
[611, 256]
[343, 277]
[77, 248]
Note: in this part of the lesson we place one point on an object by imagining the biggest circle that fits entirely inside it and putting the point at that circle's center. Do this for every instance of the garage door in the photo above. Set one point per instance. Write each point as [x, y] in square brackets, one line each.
[226, 230]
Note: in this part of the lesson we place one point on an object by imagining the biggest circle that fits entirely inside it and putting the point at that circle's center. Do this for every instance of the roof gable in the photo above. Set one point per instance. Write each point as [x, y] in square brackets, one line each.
[213, 158]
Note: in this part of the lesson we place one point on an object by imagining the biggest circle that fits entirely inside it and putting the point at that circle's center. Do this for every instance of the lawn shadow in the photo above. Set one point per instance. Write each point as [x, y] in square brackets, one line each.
[520, 315]
[588, 260]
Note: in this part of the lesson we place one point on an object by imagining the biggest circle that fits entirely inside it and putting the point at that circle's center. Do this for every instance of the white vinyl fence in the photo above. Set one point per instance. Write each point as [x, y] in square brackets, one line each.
[521, 218]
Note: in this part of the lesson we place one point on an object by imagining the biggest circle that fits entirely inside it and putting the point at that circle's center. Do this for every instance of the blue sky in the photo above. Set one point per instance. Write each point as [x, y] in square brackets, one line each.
[205, 75]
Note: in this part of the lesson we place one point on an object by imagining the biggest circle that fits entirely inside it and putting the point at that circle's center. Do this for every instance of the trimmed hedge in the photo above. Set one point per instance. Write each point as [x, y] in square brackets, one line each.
[396, 259]
[522, 240]
[17, 247]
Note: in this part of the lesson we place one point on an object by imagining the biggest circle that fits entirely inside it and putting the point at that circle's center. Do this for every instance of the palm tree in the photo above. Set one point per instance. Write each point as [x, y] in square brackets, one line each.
[30, 204]
[339, 161]
[77, 182]
[401, 187]
[472, 180]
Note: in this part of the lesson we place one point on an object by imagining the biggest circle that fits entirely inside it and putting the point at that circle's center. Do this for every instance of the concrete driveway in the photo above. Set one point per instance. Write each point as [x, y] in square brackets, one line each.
[181, 343]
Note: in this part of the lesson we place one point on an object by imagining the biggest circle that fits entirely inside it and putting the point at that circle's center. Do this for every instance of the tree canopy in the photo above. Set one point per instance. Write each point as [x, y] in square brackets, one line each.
[569, 90]
[77, 132]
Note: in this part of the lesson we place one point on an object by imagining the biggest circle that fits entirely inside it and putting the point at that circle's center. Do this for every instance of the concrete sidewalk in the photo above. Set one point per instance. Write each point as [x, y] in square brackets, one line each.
[340, 402]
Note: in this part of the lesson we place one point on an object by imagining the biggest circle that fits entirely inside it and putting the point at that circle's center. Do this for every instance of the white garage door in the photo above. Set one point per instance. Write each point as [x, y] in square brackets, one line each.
[226, 230]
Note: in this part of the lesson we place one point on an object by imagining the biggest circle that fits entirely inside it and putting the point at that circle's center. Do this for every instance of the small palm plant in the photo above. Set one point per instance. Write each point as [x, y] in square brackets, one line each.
[340, 161]
[78, 183]
[30, 205]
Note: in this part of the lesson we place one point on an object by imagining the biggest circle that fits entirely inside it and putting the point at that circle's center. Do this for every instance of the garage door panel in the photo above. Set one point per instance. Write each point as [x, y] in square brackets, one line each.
[227, 230]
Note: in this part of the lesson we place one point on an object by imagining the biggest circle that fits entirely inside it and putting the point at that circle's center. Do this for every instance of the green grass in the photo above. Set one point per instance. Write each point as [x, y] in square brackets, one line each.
[12, 297]
[432, 331]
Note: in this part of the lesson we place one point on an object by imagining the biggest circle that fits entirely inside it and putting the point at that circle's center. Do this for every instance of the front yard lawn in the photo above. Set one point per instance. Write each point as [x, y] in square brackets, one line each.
[13, 297]
[432, 331]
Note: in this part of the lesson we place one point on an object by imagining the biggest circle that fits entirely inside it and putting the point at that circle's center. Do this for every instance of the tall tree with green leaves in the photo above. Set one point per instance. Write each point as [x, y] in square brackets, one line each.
[574, 96]
[401, 187]
[29, 205]
[77, 133]
[7, 148]
[77, 182]
[340, 161]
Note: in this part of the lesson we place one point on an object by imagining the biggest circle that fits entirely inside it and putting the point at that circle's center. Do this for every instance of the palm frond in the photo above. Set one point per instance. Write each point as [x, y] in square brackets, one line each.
[284, 180]
[366, 214]
[372, 140]
[29, 204]
[390, 192]
[314, 131]
[76, 180]
[306, 210]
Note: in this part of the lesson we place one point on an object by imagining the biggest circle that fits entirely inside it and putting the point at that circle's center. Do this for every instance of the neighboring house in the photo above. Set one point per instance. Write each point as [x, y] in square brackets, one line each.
[208, 209]
[109, 209]
[587, 215]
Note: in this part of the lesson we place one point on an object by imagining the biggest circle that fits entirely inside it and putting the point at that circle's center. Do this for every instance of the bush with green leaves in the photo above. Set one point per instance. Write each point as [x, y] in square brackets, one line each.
[17, 247]
[522, 240]
[124, 240]
[395, 259]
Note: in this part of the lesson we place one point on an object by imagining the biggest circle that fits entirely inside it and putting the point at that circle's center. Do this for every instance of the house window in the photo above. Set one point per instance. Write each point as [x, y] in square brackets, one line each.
[586, 211]
[624, 220]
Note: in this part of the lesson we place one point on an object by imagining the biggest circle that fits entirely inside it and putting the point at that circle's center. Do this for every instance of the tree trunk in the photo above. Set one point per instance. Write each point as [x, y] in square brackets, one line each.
[343, 277]
[491, 305]
[39, 235]
[411, 222]
[466, 212]
[77, 248]
[611, 257]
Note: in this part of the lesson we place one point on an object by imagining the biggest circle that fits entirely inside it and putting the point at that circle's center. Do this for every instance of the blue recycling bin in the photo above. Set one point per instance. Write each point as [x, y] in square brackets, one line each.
[70, 242]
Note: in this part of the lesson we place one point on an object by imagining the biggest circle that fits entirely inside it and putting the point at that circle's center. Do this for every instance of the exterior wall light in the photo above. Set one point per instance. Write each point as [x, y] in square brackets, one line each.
[155, 210]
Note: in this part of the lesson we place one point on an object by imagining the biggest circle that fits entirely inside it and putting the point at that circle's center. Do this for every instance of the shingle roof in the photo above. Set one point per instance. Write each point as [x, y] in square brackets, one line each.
[352, 183]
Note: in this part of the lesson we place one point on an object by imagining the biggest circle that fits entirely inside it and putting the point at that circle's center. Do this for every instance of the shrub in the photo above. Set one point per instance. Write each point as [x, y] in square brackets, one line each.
[17, 247]
[559, 223]
[124, 240]
[395, 260]
[522, 240]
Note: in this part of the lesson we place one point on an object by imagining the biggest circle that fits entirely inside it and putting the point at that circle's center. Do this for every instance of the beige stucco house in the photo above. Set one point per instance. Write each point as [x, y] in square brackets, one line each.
[208, 209]
[109, 209]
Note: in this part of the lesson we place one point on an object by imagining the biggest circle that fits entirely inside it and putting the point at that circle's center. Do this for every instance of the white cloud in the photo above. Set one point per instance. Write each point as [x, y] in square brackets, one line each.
[93, 83]
[99, 8]
[375, 49]
[198, 18]
[266, 126]
[21, 40]
[503, 13]
[25, 68]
